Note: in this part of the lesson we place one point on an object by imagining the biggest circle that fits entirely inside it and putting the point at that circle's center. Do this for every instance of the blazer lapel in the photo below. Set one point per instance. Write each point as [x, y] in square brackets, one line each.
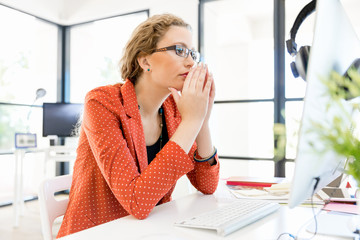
[135, 123]
[172, 115]
[172, 118]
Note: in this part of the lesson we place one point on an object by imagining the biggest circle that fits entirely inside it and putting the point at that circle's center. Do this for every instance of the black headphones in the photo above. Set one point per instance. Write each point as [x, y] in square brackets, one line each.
[299, 65]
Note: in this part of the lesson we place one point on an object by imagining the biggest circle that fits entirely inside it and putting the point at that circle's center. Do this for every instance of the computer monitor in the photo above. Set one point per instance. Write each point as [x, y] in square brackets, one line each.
[60, 118]
[335, 46]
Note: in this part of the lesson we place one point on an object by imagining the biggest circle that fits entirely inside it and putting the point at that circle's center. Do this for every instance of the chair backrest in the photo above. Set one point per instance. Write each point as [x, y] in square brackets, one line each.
[51, 208]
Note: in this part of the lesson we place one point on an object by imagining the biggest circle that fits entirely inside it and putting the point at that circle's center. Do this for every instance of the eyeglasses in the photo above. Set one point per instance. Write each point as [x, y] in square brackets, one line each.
[181, 51]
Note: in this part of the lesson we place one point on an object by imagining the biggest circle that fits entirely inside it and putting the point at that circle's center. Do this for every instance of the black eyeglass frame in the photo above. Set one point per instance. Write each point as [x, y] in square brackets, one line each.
[195, 55]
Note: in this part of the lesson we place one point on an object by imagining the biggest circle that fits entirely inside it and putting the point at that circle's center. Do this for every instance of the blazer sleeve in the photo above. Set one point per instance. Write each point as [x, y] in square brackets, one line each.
[137, 192]
[204, 177]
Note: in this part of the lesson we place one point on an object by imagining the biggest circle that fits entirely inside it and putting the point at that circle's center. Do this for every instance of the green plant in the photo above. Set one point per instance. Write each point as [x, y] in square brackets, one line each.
[280, 141]
[340, 135]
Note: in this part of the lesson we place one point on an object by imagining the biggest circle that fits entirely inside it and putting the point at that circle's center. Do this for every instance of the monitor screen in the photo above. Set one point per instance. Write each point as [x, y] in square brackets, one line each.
[335, 45]
[60, 118]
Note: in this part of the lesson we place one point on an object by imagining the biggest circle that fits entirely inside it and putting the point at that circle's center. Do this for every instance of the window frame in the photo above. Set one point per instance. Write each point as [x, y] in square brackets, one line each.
[279, 99]
[63, 68]
[2, 103]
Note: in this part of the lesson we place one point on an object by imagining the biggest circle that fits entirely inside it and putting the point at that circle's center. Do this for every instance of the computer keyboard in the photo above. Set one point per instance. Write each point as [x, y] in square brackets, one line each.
[231, 217]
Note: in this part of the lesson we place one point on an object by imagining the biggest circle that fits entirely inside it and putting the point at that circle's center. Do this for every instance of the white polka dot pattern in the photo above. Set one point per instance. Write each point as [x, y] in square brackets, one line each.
[111, 176]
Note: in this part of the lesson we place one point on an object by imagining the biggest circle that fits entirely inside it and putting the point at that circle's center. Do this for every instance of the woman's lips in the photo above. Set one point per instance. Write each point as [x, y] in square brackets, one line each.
[184, 75]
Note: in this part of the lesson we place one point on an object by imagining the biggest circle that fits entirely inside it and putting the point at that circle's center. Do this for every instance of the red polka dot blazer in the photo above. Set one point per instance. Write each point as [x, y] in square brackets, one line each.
[111, 176]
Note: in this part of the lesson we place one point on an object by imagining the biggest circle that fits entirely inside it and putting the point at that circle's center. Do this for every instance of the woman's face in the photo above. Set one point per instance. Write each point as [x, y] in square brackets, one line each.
[167, 68]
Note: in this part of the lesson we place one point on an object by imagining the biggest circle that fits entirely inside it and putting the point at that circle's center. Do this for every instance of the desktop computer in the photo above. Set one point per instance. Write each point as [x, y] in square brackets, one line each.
[335, 46]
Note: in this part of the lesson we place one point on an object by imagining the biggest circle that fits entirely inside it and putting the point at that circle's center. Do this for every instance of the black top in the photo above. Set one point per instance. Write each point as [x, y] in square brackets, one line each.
[155, 148]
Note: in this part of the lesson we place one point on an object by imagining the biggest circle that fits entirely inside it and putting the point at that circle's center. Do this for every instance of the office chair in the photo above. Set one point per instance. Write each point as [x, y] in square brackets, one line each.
[50, 208]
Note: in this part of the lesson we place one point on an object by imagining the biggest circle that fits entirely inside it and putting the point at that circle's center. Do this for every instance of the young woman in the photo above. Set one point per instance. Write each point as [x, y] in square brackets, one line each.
[138, 138]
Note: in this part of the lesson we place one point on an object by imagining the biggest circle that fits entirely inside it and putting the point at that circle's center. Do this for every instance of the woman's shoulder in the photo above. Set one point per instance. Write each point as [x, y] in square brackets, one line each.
[104, 92]
[108, 96]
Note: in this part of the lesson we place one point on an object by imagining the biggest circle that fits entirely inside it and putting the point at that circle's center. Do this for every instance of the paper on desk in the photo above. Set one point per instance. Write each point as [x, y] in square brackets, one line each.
[342, 207]
[277, 195]
[278, 192]
[259, 194]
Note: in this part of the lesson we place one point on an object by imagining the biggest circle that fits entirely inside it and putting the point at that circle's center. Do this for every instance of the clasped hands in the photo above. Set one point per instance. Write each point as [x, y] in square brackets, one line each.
[197, 96]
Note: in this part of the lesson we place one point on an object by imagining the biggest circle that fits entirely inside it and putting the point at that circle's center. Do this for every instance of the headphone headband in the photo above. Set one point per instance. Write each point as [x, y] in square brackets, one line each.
[304, 13]
[300, 63]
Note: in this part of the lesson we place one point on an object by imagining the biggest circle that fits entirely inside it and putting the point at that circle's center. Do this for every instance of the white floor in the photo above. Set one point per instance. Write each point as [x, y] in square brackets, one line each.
[29, 224]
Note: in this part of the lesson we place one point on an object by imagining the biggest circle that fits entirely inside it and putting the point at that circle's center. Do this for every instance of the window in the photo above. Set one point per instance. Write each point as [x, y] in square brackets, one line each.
[236, 133]
[28, 61]
[238, 46]
[238, 43]
[95, 50]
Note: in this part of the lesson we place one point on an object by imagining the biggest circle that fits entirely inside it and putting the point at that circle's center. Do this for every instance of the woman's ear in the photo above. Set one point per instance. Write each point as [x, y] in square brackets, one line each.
[144, 62]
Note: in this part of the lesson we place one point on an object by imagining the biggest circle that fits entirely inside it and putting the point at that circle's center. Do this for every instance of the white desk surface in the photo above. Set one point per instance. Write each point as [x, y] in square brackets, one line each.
[159, 224]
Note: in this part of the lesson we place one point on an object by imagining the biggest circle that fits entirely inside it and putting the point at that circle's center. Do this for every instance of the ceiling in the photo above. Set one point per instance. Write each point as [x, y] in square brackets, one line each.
[68, 12]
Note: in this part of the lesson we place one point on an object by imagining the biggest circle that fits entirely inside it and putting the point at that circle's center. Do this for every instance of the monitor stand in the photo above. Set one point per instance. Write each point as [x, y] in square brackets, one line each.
[53, 140]
[336, 224]
[62, 168]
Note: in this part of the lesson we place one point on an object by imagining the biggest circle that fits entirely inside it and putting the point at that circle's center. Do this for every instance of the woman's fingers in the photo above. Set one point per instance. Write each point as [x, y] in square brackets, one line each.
[197, 79]
[196, 75]
[208, 86]
[201, 78]
[188, 79]
[212, 90]
[175, 95]
[207, 74]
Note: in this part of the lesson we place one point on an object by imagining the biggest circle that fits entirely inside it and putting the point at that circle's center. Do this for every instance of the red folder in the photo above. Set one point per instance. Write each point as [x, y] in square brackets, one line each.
[253, 181]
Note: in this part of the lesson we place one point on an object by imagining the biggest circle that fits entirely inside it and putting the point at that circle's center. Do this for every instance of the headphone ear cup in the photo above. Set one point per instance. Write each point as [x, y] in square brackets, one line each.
[301, 61]
[294, 69]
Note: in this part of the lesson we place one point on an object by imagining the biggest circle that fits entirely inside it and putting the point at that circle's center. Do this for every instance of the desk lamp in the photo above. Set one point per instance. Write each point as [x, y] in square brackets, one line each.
[26, 140]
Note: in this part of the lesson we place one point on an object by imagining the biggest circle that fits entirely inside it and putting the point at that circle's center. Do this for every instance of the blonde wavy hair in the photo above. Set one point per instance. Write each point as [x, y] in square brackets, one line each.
[143, 41]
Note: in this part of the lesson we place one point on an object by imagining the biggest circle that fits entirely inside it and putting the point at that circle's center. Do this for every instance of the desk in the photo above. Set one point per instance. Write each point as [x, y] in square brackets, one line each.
[159, 224]
[59, 154]
[53, 153]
